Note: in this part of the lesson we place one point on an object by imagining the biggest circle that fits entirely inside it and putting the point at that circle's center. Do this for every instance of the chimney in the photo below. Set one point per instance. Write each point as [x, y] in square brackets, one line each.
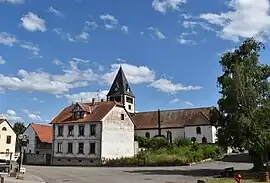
[93, 101]
[159, 124]
[102, 100]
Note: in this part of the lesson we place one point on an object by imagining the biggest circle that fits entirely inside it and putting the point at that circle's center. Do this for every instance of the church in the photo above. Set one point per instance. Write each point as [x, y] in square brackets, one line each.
[87, 133]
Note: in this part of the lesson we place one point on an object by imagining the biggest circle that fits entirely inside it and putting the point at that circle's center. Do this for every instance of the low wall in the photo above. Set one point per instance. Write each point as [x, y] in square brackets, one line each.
[34, 159]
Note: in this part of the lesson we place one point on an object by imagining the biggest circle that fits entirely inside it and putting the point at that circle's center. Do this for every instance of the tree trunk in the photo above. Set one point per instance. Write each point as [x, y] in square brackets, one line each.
[257, 160]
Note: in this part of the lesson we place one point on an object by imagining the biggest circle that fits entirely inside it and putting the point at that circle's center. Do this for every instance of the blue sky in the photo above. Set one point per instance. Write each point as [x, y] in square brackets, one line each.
[53, 53]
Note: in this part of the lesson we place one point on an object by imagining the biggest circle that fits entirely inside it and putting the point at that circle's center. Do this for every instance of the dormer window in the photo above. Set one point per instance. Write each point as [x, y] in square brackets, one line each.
[77, 115]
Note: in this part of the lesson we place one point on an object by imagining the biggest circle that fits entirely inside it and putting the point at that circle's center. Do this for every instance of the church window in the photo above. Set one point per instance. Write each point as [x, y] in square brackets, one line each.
[204, 140]
[122, 116]
[130, 100]
[147, 135]
[169, 136]
[198, 130]
[193, 139]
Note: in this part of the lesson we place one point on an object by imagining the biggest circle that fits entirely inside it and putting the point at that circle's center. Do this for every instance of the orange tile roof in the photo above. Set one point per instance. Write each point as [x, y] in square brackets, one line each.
[44, 132]
[94, 112]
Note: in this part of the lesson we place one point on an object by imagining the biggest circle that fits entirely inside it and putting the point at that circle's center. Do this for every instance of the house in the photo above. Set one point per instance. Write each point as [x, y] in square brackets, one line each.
[86, 133]
[194, 123]
[7, 140]
[40, 139]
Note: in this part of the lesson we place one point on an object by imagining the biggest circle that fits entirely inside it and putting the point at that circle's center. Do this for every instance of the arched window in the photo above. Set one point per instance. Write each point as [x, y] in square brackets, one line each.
[198, 130]
[204, 140]
[4, 129]
[147, 135]
[169, 136]
[193, 139]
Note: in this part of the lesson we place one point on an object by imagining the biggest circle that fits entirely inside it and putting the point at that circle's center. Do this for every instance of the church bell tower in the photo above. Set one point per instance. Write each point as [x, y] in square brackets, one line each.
[120, 91]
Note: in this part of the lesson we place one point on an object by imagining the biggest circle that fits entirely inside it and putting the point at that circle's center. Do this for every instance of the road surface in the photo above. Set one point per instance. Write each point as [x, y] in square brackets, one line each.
[188, 174]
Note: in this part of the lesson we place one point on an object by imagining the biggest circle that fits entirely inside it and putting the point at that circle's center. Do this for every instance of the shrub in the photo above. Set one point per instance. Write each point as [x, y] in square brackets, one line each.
[181, 141]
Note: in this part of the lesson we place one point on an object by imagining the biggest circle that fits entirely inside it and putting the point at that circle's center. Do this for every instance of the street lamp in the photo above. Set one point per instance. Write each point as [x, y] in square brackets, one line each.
[23, 141]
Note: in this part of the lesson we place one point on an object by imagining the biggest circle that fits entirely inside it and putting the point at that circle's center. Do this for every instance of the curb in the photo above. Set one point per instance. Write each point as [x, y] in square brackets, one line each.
[203, 161]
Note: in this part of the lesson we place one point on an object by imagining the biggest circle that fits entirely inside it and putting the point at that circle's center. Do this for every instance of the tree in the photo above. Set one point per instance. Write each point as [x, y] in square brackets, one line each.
[244, 100]
[19, 128]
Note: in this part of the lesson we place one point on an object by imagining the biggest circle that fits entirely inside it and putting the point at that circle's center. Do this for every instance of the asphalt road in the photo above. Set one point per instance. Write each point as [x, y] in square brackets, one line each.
[188, 174]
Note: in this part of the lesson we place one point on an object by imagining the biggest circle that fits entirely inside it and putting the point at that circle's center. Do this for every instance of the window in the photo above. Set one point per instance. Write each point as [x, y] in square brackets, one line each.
[4, 129]
[82, 114]
[60, 131]
[80, 148]
[60, 147]
[198, 130]
[122, 116]
[193, 139]
[8, 139]
[81, 130]
[70, 148]
[204, 140]
[147, 135]
[29, 151]
[130, 100]
[93, 129]
[70, 130]
[169, 136]
[92, 148]
[7, 152]
[77, 115]
[129, 107]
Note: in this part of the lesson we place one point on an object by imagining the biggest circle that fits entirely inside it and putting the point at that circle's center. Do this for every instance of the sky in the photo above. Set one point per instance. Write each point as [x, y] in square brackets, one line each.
[53, 53]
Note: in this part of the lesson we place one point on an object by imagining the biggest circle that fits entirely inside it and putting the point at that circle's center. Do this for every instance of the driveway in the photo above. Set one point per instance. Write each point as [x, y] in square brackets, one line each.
[188, 174]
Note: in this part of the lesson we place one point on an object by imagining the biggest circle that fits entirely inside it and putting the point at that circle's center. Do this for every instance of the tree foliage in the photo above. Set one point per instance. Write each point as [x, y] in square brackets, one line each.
[244, 100]
[19, 128]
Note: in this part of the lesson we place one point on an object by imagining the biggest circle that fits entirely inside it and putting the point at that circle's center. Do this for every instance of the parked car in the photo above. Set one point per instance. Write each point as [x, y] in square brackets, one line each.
[4, 165]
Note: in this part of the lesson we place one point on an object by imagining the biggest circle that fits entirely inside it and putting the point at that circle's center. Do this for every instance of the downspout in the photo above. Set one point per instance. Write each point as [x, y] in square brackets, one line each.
[159, 124]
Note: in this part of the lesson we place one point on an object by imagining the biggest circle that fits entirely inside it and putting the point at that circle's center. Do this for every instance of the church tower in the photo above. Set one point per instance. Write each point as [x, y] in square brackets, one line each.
[121, 92]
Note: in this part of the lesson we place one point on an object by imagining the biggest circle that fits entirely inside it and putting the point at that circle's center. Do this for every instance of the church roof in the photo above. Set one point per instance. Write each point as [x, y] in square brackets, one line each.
[120, 85]
[177, 118]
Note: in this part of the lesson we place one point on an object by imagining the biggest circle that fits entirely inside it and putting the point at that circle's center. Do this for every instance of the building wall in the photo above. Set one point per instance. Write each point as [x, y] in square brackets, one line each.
[32, 140]
[176, 132]
[206, 131]
[4, 147]
[117, 135]
[65, 158]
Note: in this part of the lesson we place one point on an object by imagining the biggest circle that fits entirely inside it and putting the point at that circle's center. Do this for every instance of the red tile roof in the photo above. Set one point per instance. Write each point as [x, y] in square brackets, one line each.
[44, 132]
[172, 118]
[94, 112]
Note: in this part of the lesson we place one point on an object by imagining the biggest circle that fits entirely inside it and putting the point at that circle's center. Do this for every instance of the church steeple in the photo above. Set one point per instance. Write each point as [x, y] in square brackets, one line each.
[120, 91]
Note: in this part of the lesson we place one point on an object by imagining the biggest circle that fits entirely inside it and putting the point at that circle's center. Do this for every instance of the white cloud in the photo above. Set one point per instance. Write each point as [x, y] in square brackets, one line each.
[33, 116]
[56, 12]
[134, 74]
[86, 96]
[109, 20]
[163, 5]
[167, 86]
[38, 100]
[56, 61]
[182, 40]
[2, 61]
[247, 18]
[124, 29]
[12, 1]
[7, 39]
[90, 25]
[32, 22]
[176, 100]
[11, 116]
[188, 103]
[155, 33]
[141, 33]
[50, 83]
[32, 47]
[84, 36]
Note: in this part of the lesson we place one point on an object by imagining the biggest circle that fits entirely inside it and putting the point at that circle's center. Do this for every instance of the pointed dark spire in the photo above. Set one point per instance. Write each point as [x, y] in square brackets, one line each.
[120, 85]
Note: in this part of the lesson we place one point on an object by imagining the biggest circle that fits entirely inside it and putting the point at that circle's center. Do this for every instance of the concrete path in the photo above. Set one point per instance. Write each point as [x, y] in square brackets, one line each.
[184, 174]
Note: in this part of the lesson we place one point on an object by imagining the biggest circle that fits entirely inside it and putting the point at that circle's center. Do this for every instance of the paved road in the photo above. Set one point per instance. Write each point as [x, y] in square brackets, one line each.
[188, 174]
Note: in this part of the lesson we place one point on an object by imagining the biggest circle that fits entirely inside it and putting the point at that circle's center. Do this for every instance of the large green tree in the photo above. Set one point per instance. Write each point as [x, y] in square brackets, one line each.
[19, 128]
[244, 101]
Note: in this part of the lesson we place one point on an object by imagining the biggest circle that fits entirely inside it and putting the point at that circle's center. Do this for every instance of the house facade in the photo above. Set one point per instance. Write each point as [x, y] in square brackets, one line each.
[7, 140]
[87, 133]
[40, 139]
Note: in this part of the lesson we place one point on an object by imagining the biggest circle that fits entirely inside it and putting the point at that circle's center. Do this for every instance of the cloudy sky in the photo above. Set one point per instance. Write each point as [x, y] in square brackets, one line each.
[56, 52]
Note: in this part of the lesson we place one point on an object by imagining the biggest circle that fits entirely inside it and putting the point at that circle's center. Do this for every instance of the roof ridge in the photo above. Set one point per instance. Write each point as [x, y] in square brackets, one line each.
[179, 109]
